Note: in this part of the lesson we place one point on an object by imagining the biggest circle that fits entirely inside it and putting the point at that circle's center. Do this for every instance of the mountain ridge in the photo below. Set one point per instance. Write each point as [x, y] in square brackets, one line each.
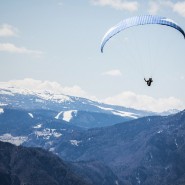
[68, 108]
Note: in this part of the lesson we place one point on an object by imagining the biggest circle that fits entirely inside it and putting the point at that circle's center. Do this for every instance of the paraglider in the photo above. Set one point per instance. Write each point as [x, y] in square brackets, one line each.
[149, 81]
[136, 21]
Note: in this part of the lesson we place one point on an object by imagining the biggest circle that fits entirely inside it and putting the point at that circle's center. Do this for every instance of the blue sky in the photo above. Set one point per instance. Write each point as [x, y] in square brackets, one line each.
[55, 44]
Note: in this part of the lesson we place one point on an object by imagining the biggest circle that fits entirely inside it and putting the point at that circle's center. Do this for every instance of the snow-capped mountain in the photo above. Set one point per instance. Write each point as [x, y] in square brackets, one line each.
[133, 150]
[79, 111]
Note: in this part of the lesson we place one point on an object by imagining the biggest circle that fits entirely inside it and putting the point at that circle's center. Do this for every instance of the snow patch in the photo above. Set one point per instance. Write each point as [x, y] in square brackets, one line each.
[38, 126]
[31, 115]
[60, 98]
[160, 131]
[58, 115]
[125, 114]
[57, 134]
[104, 108]
[66, 115]
[75, 142]
[176, 143]
[1, 111]
[16, 140]
[47, 133]
[52, 149]
[3, 104]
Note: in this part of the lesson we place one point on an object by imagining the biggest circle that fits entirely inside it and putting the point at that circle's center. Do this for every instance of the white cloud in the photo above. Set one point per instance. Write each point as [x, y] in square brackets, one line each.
[126, 99]
[118, 4]
[156, 5]
[153, 7]
[179, 7]
[7, 30]
[143, 102]
[114, 72]
[9, 47]
[42, 86]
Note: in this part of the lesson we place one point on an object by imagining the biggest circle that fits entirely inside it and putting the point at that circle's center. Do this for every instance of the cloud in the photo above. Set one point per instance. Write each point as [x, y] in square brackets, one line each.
[42, 86]
[114, 72]
[153, 7]
[143, 102]
[7, 30]
[9, 47]
[118, 4]
[179, 8]
[126, 99]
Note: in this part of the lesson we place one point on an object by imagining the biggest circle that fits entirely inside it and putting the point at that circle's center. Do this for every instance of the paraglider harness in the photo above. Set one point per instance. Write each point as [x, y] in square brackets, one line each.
[149, 81]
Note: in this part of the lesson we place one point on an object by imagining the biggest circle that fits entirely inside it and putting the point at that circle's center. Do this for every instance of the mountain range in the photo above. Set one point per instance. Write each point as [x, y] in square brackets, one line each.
[108, 149]
[75, 110]
[133, 152]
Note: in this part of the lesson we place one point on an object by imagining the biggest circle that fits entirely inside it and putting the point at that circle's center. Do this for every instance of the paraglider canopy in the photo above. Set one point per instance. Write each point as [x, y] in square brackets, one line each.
[139, 20]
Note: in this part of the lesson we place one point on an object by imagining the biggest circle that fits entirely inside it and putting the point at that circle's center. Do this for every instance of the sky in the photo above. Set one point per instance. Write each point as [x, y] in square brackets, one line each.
[55, 45]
